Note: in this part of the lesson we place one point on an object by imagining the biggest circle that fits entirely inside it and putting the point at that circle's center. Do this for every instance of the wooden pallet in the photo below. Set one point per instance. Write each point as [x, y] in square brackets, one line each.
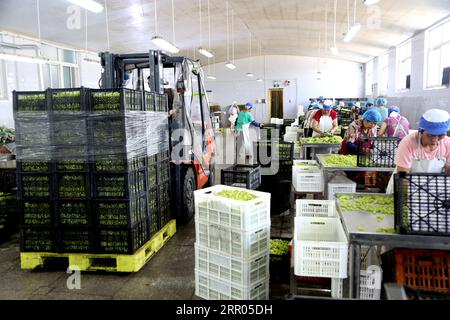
[105, 262]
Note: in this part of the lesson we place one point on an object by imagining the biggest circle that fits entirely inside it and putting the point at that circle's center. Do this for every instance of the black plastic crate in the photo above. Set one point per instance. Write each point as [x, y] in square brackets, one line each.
[284, 170]
[246, 176]
[153, 208]
[37, 212]
[422, 203]
[68, 101]
[163, 155]
[164, 215]
[115, 101]
[69, 130]
[267, 132]
[9, 214]
[103, 164]
[32, 131]
[164, 193]
[161, 104]
[288, 122]
[73, 185]
[381, 152]
[345, 122]
[76, 239]
[123, 240]
[38, 239]
[30, 101]
[152, 175]
[7, 180]
[24, 166]
[71, 158]
[124, 213]
[149, 101]
[119, 185]
[108, 131]
[264, 149]
[74, 213]
[34, 186]
[163, 171]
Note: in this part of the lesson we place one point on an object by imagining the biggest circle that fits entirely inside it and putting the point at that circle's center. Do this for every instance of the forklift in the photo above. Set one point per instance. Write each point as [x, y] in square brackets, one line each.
[191, 133]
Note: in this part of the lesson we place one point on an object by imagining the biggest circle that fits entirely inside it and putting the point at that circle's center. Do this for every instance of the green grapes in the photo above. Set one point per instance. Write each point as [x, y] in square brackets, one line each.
[339, 160]
[371, 204]
[385, 230]
[236, 195]
[279, 247]
[329, 139]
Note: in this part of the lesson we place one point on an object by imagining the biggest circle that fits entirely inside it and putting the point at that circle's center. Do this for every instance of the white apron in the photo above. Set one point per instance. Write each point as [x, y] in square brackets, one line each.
[436, 165]
[325, 125]
[247, 141]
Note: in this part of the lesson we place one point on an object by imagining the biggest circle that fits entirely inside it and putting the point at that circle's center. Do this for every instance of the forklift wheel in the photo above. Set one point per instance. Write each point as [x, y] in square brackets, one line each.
[188, 195]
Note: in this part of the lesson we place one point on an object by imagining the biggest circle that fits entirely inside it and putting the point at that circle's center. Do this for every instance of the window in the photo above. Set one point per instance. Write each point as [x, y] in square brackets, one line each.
[404, 66]
[3, 89]
[369, 77]
[438, 53]
[383, 63]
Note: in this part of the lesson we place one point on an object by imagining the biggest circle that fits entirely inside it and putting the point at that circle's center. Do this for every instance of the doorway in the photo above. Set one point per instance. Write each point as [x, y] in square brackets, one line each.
[276, 103]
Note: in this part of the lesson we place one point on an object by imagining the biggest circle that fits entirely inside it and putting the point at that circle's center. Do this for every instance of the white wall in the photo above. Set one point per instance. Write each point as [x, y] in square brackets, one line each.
[414, 102]
[339, 79]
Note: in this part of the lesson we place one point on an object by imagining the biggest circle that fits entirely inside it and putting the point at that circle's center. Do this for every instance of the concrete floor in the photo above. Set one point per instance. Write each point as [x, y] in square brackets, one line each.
[168, 275]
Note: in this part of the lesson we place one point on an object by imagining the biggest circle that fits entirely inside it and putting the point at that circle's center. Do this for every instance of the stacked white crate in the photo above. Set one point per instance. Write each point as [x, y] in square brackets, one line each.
[340, 184]
[307, 176]
[320, 243]
[291, 134]
[232, 245]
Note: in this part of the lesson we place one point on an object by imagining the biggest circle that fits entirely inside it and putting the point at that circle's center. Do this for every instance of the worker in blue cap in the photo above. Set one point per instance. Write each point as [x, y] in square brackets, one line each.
[428, 149]
[362, 128]
[325, 120]
[381, 103]
[307, 124]
[396, 125]
[243, 122]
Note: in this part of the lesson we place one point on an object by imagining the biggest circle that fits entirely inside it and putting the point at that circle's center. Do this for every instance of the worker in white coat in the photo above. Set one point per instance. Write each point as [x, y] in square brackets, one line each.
[428, 150]
[325, 120]
[244, 120]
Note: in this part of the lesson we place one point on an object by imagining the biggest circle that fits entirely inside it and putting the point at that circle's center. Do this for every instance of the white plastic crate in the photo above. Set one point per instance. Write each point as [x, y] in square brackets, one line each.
[307, 179]
[315, 208]
[321, 247]
[365, 292]
[291, 129]
[210, 288]
[244, 215]
[306, 163]
[290, 137]
[242, 272]
[340, 184]
[237, 243]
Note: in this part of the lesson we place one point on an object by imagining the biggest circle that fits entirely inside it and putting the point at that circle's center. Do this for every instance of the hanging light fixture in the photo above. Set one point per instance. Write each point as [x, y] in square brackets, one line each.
[355, 27]
[160, 41]
[259, 79]
[334, 49]
[202, 50]
[212, 76]
[88, 5]
[370, 2]
[249, 74]
[230, 65]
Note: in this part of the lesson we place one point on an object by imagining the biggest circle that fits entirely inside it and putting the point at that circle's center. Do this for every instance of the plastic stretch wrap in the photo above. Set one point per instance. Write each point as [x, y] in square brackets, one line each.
[41, 136]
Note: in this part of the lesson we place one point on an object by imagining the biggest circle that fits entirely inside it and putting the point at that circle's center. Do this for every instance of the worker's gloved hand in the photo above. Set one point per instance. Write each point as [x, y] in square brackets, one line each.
[261, 125]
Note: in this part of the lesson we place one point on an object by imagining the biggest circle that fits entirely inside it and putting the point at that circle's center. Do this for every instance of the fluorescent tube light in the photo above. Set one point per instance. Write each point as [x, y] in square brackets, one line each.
[210, 77]
[164, 44]
[249, 74]
[205, 52]
[370, 2]
[334, 51]
[90, 5]
[230, 65]
[259, 80]
[352, 32]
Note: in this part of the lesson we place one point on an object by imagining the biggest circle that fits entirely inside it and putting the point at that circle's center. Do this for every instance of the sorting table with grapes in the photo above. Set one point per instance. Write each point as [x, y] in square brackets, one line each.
[368, 219]
[331, 164]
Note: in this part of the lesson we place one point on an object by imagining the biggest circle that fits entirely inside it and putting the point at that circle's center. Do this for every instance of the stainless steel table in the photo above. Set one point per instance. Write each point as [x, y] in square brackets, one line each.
[331, 170]
[305, 146]
[370, 237]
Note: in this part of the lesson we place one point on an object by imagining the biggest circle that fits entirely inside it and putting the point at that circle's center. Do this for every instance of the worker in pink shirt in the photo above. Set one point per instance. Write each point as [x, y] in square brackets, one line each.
[395, 125]
[428, 150]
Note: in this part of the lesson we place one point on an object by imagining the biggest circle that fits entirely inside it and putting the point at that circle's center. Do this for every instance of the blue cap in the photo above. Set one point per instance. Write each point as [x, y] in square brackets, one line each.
[249, 106]
[435, 122]
[394, 108]
[315, 105]
[351, 104]
[327, 104]
[368, 104]
[321, 98]
[381, 102]
[372, 115]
